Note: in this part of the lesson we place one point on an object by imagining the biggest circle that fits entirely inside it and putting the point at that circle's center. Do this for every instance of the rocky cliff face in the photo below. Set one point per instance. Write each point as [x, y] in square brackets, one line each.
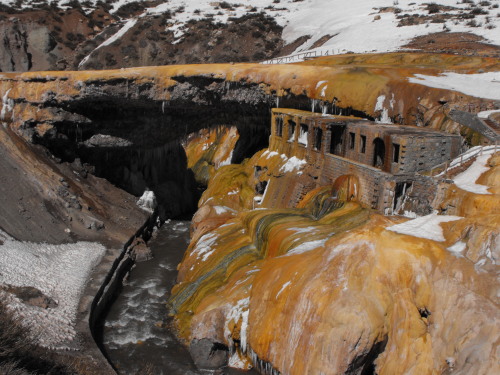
[284, 286]
[50, 38]
[115, 34]
[46, 39]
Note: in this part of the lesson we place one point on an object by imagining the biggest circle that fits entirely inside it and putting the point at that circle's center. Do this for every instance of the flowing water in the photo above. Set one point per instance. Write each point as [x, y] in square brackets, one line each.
[136, 337]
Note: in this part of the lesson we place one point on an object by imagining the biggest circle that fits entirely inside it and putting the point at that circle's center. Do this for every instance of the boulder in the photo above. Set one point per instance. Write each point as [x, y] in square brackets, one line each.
[208, 355]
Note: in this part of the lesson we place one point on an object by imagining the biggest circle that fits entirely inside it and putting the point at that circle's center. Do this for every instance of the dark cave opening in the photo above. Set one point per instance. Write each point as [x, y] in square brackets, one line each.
[137, 145]
[117, 130]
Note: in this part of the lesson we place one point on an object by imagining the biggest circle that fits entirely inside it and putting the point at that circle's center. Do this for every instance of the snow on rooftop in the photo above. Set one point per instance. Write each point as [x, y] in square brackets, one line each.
[467, 179]
[481, 85]
[58, 271]
[424, 227]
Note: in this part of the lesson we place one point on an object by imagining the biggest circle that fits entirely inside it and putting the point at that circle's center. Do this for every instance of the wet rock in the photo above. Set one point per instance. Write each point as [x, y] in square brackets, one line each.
[140, 251]
[93, 223]
[104, 140]
[71, 201]
[83, 169]
[208, 355]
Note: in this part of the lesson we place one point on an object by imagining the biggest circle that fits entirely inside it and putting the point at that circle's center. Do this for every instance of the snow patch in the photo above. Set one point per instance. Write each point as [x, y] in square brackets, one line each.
[7, 105]
[283, 288]
[293, 164]
[467, 179]
[128, 25]
[481, 85]
[323, 92]
[320, 83]
[269, 154]
[458, 248]
[235, 361]
[203, 247]
[147, 201]
[219, 210]
[380, 103]
[303, 136]
[58, 271]
[379, 106]
[306, 246]
[486, 114]
[304, 230]
[226, 161]
[237, 312]
[424, 227]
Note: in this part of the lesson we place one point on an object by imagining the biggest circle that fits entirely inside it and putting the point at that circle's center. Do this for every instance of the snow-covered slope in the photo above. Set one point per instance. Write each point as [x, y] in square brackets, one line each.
[373, 25]
[338, 25]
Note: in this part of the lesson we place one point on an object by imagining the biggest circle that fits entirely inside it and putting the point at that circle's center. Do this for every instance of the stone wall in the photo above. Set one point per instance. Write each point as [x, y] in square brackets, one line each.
[421, 153]
[391, 187]
[372, 180]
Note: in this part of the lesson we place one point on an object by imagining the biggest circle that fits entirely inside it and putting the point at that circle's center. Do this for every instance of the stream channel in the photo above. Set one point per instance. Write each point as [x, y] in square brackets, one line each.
[136, 338]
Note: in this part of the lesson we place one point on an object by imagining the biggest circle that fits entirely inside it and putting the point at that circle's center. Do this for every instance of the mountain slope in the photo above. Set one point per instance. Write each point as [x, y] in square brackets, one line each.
[97, 35]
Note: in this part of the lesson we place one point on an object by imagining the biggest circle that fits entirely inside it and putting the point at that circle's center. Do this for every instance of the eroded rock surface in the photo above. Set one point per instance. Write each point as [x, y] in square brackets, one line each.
[331, 289]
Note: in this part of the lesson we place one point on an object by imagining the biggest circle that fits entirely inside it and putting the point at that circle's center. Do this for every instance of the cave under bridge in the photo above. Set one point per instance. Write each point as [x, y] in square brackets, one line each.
[123, 133]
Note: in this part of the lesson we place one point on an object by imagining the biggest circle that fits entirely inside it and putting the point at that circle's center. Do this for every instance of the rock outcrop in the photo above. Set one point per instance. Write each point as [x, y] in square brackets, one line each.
[50, 38]
[336, 288]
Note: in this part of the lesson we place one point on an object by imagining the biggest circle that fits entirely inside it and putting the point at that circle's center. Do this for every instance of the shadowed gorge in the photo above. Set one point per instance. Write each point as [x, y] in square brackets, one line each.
[136, 144]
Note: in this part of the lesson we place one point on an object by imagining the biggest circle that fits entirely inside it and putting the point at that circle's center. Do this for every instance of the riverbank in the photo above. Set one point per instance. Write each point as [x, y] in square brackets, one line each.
[69, 214]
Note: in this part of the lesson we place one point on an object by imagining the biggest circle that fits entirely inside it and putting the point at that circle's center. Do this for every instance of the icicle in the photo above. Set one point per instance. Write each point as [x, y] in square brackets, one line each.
[325, 109]
[7, 105]
[313, 105]
[163, 107]
[277, 102]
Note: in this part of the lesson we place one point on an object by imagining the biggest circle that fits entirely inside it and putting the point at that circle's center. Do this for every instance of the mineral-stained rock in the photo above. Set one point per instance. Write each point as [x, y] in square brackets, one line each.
[297, 277]
[307, 291]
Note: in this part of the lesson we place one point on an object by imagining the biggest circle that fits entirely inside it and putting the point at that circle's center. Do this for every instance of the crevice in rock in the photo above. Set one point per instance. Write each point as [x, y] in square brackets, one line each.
[364, 364]
[424, 313]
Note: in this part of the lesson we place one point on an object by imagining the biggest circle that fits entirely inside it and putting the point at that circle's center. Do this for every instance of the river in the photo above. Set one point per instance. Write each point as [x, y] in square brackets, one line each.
[136, 337]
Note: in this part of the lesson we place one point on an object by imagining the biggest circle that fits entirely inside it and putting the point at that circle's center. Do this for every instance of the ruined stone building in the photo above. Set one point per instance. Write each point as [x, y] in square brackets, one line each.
[390, 162]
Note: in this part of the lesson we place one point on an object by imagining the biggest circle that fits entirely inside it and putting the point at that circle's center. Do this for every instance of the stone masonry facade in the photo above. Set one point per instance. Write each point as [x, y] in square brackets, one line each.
[388, 160]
